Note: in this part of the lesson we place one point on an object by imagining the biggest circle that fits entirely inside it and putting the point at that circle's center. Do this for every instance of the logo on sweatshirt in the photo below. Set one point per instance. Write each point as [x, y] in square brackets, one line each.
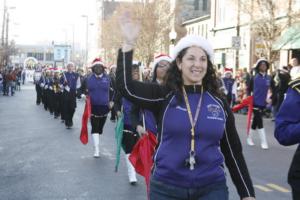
[214, 112]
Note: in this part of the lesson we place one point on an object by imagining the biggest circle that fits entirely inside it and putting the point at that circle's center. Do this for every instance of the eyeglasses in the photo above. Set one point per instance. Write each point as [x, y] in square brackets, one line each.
[163, 66]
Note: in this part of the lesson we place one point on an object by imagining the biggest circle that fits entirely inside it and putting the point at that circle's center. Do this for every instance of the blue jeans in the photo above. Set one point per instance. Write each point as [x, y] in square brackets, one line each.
[163, 191]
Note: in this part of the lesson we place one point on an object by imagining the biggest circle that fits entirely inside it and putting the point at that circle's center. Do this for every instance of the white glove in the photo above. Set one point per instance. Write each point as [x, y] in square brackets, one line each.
[83, 96]
[111, 104]
[129, 29]
[119, 114]
[141, 131]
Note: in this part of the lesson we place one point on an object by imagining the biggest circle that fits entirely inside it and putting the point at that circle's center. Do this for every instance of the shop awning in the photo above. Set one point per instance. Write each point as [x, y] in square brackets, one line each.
[290, 39]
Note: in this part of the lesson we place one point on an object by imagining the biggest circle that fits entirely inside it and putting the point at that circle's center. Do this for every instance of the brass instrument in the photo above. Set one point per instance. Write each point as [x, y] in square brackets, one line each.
[56, 87]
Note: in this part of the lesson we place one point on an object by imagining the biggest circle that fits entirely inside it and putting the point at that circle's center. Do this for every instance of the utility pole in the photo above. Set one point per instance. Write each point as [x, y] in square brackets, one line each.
[73, 43]
[3, 23]
[237, 52]
[252, 49]
[289, 13]
[86, 38]
[7, 23]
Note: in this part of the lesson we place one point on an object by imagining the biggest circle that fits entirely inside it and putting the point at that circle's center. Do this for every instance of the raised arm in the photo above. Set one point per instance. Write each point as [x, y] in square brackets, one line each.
[146, 95]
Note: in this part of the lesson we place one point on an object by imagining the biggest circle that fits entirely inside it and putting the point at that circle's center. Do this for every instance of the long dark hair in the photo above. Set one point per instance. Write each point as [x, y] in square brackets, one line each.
[174, 81]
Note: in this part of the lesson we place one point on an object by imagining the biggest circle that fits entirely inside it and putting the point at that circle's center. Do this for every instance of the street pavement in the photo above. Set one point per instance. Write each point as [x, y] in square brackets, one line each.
[40, 159]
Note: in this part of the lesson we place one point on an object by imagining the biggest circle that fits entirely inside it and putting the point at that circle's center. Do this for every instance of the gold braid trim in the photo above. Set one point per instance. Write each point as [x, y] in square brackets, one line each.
[295, 84]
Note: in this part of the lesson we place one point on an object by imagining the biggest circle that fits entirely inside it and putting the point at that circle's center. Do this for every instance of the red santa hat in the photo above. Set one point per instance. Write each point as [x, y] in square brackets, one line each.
[161, 57]
[193, 40]
[228, 70]
[56, 69]
[97, 61]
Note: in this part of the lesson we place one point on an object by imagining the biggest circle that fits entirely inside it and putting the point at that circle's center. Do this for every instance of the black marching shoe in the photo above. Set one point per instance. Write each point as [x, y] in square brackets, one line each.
[133, 183]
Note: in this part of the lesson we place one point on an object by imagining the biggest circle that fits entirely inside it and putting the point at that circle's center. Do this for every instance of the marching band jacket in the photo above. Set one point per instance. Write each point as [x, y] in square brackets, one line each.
[70, 81]
[122, 103]
[287, 129]
[260, 84]
[98, 88]
[139, 116]
[216, 140]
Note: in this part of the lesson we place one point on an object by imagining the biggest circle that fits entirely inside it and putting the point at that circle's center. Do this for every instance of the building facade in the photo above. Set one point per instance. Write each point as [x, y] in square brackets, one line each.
[41, 54]
[229, 30]
[62, 54]
[30, 55]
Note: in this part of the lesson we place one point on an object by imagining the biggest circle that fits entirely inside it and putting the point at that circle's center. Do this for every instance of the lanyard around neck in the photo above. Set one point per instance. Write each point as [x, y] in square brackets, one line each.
[192, 121]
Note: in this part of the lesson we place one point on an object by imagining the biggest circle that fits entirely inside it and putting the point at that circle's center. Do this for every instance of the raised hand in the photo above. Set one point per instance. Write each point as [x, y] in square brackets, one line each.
[129, 29]
[141, 131]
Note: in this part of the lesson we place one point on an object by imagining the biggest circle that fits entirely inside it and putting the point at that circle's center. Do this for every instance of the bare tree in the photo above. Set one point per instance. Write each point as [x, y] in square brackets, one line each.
[154, 19]
[267, 20]
[111, 39]
[5, 53]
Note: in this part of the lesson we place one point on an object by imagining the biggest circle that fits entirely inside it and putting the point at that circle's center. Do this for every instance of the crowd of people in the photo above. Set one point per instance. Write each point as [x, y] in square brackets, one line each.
[57, 91]
[11, 80]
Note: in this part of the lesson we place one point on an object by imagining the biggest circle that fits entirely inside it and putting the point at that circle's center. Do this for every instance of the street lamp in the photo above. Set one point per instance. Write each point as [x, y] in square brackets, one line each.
[4, 42]
[86, 37]
[172, 36]
[6, 22]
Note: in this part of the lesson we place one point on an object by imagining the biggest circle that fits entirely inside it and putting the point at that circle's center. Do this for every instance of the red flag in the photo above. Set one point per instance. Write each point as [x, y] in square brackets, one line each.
[245, 102]
[141, 156]
[84, 123]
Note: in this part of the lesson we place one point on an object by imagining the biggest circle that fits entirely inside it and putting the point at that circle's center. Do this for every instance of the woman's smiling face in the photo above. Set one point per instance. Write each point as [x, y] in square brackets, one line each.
[193, 66]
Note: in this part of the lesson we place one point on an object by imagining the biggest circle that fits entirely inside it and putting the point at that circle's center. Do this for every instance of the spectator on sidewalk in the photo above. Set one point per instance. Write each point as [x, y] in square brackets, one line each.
[230, 86]
[1, 81]
[10, 82]
[23, 75]
[295, 71]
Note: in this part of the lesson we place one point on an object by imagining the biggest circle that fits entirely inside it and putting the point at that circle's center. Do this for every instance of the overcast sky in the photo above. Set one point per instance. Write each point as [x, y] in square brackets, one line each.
[36, 21]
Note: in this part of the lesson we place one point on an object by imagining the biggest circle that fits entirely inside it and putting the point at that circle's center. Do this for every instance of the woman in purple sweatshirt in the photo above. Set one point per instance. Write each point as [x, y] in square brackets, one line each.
[196, 128]
[260, 84]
